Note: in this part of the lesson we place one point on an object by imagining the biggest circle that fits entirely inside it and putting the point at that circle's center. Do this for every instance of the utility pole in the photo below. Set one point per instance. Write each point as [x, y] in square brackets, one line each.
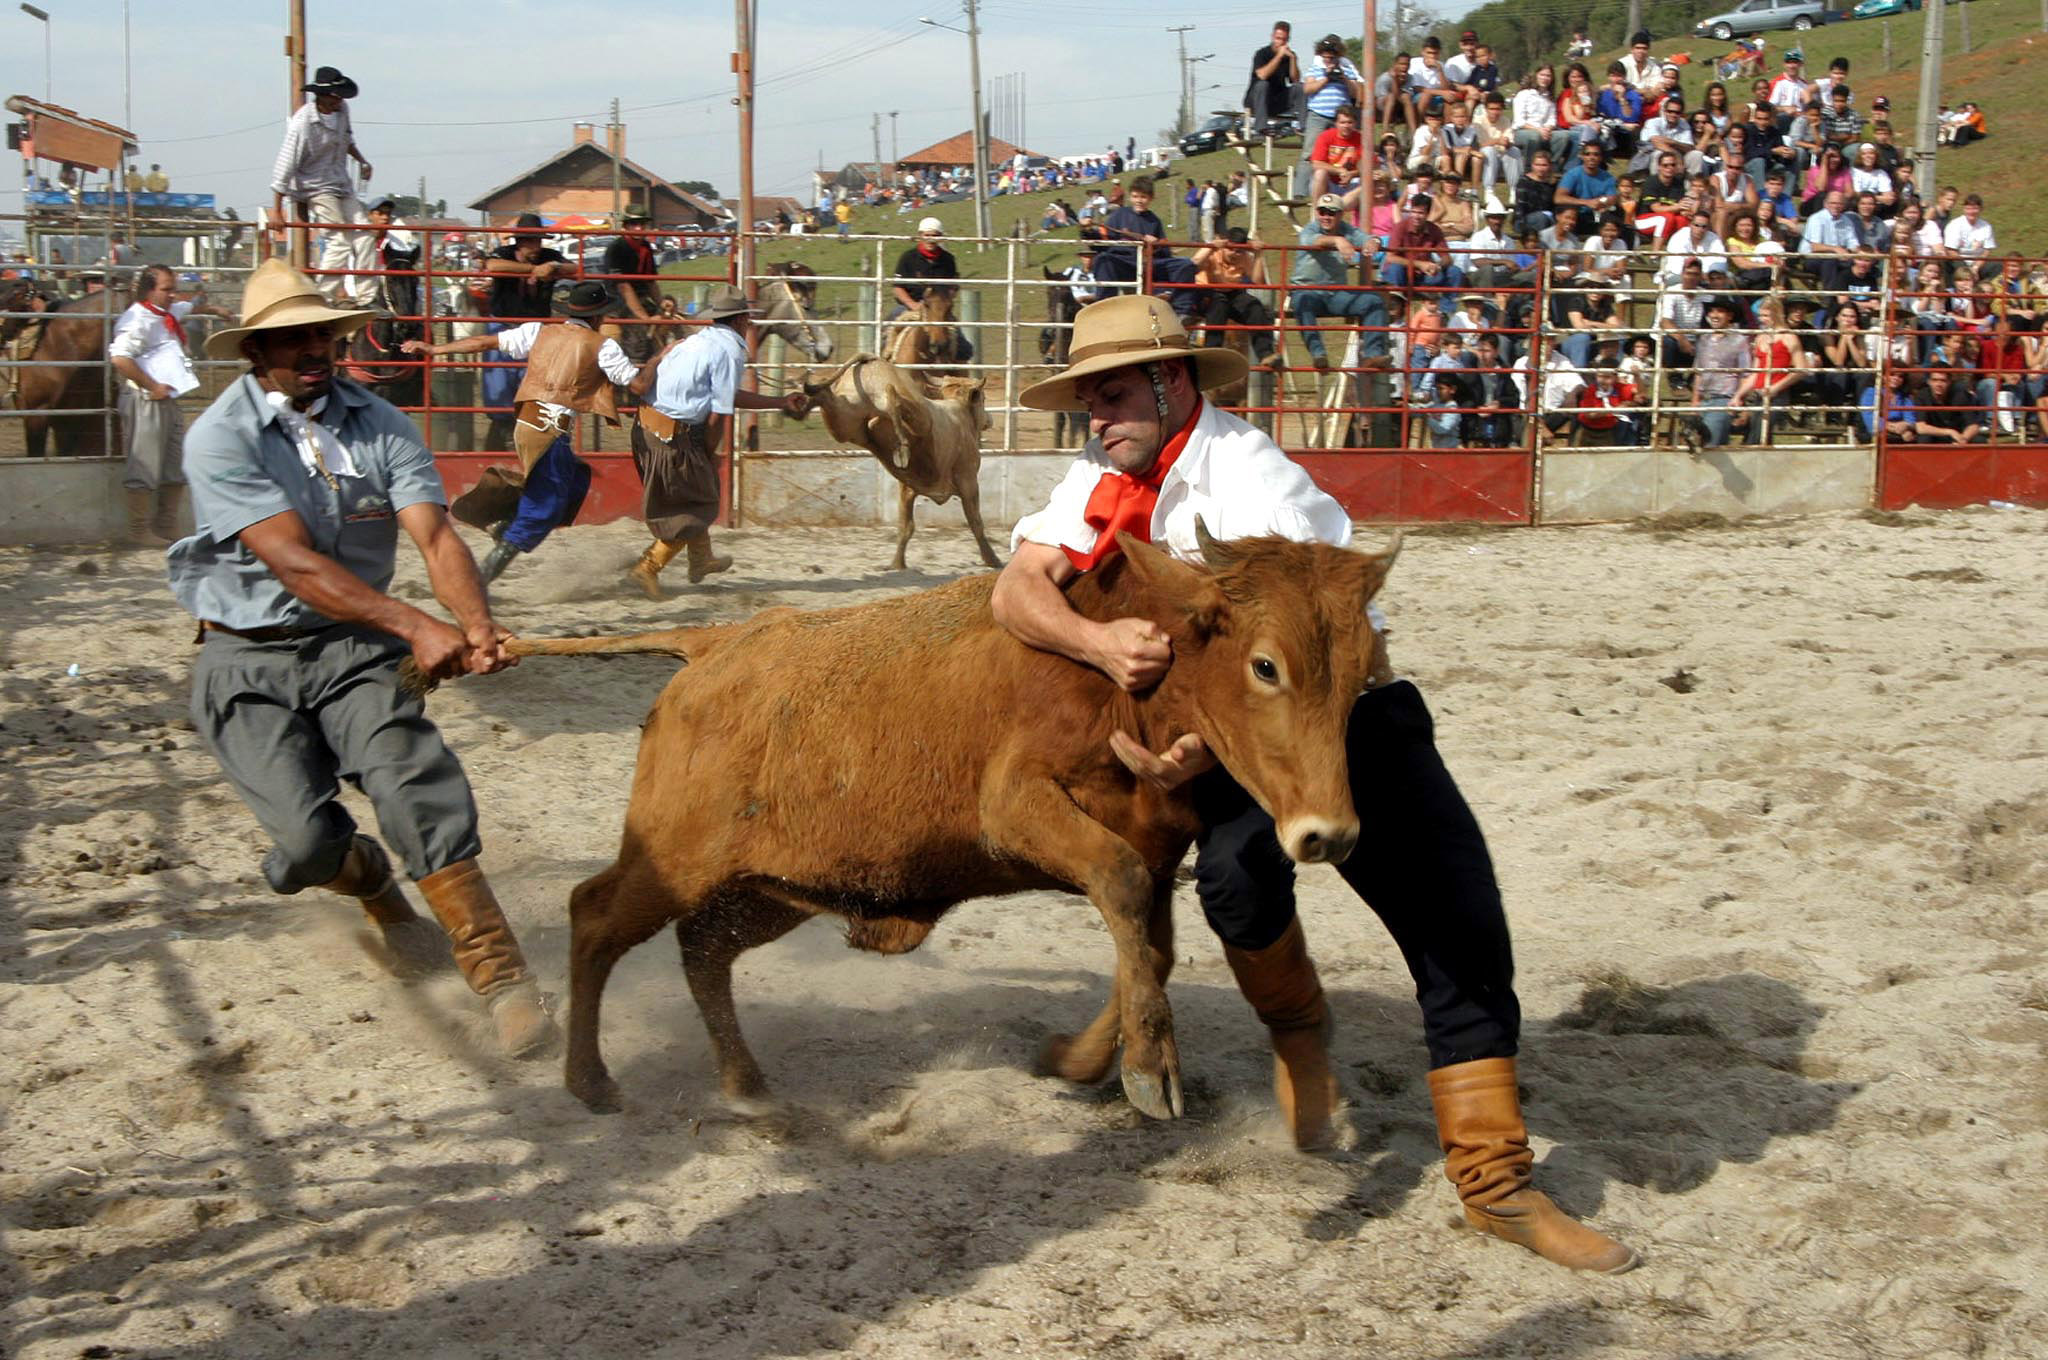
[423, 196]
[893, 153]
[1963, 17]
[1367, 134]
[1635, 21]
[1930, 102]
[1180, 122]
[743, 71]
[615, 132]
[295, 58]
[875, 126]
[981, 227]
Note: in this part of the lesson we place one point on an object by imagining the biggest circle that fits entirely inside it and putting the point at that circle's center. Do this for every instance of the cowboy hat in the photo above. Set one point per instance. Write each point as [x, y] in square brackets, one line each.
[277, 296]
[1120, 331]
[1494, 207]
[636, 212]
[327, 80]
[725, 300]
[588, 298]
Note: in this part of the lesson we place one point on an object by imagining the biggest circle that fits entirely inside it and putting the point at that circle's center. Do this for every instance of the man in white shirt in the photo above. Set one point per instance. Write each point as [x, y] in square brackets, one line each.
[312, 171]
[148, 351]
[1969, 235]
[1164, 463]
[1668, 131]
[1693, 241]
[1791, 93]
[1639, 67]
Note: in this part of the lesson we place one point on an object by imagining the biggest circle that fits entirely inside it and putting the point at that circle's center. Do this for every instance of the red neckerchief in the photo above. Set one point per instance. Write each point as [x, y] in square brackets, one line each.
[1123, 502]
[171, 323]
[929, 251]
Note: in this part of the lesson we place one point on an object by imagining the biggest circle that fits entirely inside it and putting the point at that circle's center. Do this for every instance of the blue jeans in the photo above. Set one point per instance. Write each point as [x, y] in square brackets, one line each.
[1364, 306]
[554, 492]
[1718, 422]
[1396, 276]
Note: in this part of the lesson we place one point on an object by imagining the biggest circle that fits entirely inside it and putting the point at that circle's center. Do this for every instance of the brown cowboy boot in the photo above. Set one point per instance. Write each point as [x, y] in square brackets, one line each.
[1487, 1157]
[703, 562]
[413, 946]
[646, 573]
[1280, 981]
[488, 955]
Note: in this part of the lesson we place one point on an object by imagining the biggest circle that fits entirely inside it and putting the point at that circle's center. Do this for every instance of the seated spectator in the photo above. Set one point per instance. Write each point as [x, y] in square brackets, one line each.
[1535, 196]
[1558, 390]
[1791, 92]
[1334, 160]
[1588, 185]
[1851, 357]
[1840, 125]
[1681, 311]
[1603, 409]
[1428, 87]
[1868, 175]
[1428, 150]
[1695, 240]
[1766, 145]
[1721, 366]
[1441, 388]
[1562, 235]
[1638, 367]
[1638, 66]
[1229, 269]
[1873, 233]
[2001, 374]
[1969, 236]
[1494, 421]
[1276, 80]
[1620, 110]
[1669, 132]
[1965, 127]
[1453, 214]
[1828, 241]
[1586, 315]
[1391, 106]
[1488, 255]
[1418, 255]
[1777, 367]
[1607, 257]
[1828, 175]
[1461, 154]
[1708, 147]
[1943, 415]
[1321, 273]
[1752, 259]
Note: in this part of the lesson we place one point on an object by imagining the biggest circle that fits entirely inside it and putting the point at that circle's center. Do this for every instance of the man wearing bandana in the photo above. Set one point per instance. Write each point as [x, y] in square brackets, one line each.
[1161, 458]
[149, 353]
[301, 481]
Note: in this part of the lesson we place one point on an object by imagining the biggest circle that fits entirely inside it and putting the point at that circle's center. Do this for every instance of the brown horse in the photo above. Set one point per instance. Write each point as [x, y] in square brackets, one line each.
[72, 333]
[788, 306]
[925, 335]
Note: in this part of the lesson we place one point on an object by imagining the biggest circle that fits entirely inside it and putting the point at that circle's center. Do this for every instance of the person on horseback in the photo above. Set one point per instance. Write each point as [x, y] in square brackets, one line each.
[916, 268]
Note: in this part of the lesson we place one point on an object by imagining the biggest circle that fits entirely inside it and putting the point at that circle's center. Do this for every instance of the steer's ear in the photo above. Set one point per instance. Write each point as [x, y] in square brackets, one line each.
[1374, 569]
[1185, 590]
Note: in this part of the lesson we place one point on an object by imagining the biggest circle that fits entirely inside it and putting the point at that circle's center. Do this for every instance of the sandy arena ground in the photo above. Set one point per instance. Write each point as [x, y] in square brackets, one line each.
[1768, 802]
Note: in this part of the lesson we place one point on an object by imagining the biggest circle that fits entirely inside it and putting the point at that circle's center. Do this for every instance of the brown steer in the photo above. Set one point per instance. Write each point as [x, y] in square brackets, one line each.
[887, 761]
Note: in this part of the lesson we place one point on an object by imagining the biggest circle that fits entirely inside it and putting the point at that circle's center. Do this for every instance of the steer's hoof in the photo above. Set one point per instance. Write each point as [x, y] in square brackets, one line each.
[1154, 1096]
[600, 1095]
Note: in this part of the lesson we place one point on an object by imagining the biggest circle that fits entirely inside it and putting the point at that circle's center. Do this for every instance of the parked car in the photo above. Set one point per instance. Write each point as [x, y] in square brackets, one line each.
[1878, 9]
[1758, 16]
[1210, 136]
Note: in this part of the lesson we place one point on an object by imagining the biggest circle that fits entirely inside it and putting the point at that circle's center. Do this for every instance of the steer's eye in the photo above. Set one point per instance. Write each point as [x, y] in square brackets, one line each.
[1265, 670]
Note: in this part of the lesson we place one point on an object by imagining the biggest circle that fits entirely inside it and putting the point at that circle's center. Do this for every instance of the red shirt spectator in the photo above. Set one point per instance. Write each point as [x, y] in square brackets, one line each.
[1593, 397]
[1340, 148]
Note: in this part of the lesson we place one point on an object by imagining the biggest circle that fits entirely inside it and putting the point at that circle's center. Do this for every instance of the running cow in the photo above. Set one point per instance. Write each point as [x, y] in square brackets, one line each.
[887, 761]
[926, 433]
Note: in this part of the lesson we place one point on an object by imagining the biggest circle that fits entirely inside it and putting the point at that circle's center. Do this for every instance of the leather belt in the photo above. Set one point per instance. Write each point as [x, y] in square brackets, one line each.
[258, 634]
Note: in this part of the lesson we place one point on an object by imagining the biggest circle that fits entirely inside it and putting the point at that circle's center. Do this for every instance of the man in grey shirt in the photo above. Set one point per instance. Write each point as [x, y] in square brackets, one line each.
[311, 174]
[300, 482]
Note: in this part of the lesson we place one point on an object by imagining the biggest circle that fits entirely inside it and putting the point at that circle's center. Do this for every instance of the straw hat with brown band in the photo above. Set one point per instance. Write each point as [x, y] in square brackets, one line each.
[278, 296]
[1119, 332]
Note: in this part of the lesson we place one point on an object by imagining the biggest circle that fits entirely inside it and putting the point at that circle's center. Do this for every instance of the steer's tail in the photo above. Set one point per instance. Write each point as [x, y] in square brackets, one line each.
[681, 643]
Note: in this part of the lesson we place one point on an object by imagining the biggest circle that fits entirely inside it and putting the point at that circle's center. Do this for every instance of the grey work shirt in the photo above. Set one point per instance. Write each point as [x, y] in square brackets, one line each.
[243, 467]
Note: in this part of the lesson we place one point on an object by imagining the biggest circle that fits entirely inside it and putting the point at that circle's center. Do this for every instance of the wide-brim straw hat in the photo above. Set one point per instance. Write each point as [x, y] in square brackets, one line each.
[277, 296]
[1119, 332]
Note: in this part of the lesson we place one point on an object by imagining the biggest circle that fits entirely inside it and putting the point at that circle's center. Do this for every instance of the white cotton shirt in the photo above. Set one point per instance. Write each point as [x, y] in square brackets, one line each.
[1230, 475]
[141, 335]
[1534, 109]
[1966, 239]
[518, 341]
[700, 376]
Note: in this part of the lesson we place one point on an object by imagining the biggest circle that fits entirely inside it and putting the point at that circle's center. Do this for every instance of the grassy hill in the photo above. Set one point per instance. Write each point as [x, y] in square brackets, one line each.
[2003, 72]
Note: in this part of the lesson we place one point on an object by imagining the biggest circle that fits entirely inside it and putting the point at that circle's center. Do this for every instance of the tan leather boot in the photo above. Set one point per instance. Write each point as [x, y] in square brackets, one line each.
[703, 562]
[413, 946]
[488, 955]
[1487, 1157]
[646, 573]
[1281, 983]
[141, 507]
[170, 499]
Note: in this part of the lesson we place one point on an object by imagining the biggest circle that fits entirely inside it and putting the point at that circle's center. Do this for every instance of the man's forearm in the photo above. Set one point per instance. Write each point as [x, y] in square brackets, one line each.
[132, 371]
[337, 593]
[451, 571]
[1037, 613]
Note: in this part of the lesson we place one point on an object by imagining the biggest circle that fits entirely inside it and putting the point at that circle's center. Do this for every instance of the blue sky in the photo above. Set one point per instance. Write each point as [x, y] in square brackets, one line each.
[470, 95]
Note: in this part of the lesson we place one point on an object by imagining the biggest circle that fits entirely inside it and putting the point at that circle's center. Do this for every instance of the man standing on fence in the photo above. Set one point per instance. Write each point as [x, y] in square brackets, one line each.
[301, 481]
[570, 368]
[312, 172]
[639, 297]
[148, 351]
[1164, 462]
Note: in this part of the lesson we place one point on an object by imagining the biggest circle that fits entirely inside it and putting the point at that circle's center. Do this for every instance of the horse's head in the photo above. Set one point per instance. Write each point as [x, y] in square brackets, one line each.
[16, 296]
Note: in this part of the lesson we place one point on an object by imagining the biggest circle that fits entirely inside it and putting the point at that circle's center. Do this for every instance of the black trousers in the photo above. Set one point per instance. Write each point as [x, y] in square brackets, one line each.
[1421, 865]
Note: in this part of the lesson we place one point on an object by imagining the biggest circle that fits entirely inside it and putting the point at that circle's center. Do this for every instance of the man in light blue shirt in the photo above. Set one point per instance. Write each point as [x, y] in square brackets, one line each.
[1331, 82]
[695, 392]
[300, 482]
[1828, 241]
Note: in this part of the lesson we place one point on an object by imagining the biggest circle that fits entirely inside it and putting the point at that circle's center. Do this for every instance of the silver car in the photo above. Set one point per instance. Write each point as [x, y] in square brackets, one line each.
[1757, 16]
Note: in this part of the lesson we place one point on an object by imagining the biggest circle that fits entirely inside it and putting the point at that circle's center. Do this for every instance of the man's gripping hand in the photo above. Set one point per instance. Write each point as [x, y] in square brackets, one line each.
[1133, 652]
[1187, 757]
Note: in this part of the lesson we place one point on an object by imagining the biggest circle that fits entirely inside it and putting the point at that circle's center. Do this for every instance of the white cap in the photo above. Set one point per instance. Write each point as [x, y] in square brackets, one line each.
[931, 224]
